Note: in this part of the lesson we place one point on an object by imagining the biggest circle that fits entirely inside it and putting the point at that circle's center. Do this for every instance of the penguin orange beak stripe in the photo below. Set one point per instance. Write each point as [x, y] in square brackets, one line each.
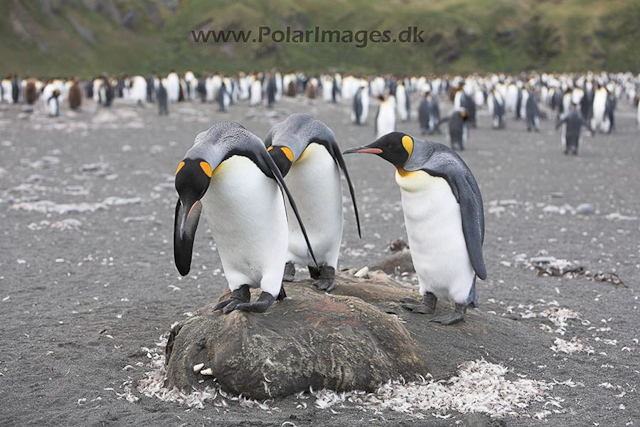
[363, 150]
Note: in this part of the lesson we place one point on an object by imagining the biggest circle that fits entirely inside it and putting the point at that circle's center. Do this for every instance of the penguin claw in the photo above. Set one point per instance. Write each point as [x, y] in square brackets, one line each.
[260, 306]
[240, 295]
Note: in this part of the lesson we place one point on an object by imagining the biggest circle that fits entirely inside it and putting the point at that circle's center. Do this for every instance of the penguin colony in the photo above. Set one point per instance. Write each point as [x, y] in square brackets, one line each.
[277, 203]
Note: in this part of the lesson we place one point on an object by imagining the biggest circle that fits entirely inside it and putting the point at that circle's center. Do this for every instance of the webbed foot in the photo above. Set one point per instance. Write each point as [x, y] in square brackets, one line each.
[260, 306]
[427, 306]
[239, 296]
[451, 318]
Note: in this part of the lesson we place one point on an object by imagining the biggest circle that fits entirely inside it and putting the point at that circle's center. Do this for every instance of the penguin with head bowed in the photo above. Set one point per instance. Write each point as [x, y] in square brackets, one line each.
[444, 219]
[229, 174]
[572, 123]
[308, 156]
[458, 128]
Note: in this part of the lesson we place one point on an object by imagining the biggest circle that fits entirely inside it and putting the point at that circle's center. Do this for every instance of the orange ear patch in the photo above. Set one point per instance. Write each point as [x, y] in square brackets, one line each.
[270, 148]
[407, 143]
[287, 152]
[206, 168]
[179, 167]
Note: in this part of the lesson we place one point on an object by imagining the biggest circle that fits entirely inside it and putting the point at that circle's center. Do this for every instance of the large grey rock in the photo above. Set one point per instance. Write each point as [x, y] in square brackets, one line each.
[340, 341]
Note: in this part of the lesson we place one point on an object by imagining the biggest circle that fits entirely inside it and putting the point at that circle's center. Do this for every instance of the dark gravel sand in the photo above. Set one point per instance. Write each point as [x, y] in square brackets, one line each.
[78, 300]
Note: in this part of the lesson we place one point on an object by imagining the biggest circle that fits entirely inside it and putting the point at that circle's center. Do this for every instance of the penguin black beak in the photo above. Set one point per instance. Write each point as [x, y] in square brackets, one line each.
[186, 221]
[363, 149]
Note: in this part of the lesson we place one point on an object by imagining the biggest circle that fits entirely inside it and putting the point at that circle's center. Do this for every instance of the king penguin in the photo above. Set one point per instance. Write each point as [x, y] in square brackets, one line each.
[53, 103]
[385, 116]
[229, 173]
[444, 218]
[360, 111]
[308, 156]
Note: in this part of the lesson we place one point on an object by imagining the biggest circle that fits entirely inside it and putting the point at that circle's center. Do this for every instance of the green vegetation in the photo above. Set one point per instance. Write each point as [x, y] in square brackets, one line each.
[86, 37]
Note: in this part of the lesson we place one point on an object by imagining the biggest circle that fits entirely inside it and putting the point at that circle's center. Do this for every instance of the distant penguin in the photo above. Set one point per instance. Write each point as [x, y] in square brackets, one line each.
[172, 86]
[312, 88]
[458, 128]
[138, 92]
[75, 96]
[229, 174]
[16, 89]
[30, 92]
[201, 89]
[385, 116]
[256, 92]
[402, 103]
[360, 111]
[637, 101]
[571, 128]
[272, 90]
[428, 114]
[444, 218]
[224, 99]
[532, 113]
[53, 104]
[307, 153]
[163, 99]
[600, 120]
[497, 107]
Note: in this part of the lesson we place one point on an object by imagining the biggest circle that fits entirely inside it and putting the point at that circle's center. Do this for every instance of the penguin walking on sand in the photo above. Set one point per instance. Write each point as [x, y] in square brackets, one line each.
[429, 114]
[229, 174]
[307, 154]
[53, 104]
[385, 116]
[360, 111]
[497, 108]
[572, 123]
[444, 218]
[532, 113]
[163, 99]
[458, 128]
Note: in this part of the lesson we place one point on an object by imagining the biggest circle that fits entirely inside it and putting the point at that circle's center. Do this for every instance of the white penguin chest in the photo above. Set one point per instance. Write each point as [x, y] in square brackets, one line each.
[314, 182]
[436, 240]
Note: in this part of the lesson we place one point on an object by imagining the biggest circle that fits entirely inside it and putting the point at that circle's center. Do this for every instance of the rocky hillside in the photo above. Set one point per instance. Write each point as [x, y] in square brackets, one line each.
[84, 37]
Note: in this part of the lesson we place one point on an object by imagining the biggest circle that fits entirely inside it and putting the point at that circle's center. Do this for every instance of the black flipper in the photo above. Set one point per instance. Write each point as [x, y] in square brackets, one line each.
[183, 246]
[438, 160]
[278, 177]
[334, 150]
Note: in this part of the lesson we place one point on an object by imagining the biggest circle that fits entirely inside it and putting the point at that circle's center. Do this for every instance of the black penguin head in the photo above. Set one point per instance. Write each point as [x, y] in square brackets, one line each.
[282, 156]
[394, 147]
[192, 181]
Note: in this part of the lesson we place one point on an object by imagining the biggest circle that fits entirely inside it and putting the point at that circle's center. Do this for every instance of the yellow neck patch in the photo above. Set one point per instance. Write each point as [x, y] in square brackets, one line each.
[206, 168]
[407, 143]
[179, 167]
[286, 150]
[403, 173]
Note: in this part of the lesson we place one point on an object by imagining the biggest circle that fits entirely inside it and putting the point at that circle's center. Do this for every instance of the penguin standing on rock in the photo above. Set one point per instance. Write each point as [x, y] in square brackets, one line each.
[308, 156]
[229, 173]
[444, 219]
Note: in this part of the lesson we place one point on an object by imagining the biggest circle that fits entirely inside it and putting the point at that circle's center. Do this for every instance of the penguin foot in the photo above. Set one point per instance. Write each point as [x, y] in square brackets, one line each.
[239, 296]
[259, 306]
[326, 279]
[428, 305]
[451, 318]
[289, 272]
